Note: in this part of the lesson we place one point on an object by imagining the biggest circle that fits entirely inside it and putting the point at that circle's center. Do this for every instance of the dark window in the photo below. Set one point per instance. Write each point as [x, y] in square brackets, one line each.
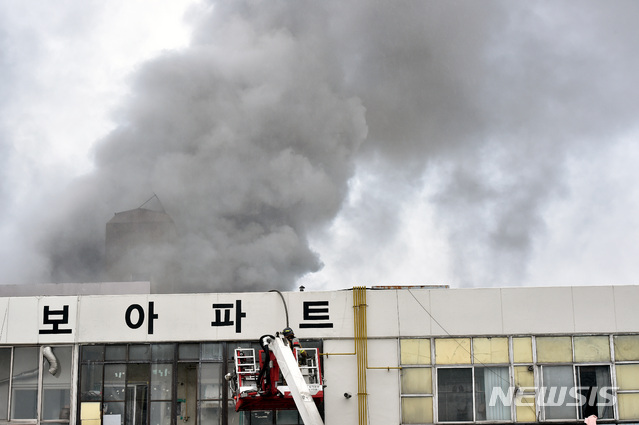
[455, 394]
[596, 391]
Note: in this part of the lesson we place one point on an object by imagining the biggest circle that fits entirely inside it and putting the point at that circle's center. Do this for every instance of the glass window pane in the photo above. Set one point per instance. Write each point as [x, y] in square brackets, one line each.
[115, 353]
[91, 382]
[287, 417]
[24, 390]
[628, 406]
[492, 401]
[554, 349]
[558, 382]
[5, 370]
[417, 410]
[139, 352]
[628, 376]
[210, 412]
[417, 380]
[56, 396]
[210, 380]
[164, 352]
[522, 349]
[113, 413]
[92, 353]
[114, 382]
[212, 351]
[596, 391]
[626, 347]
[455, 393]
[490, 350]
[138, 377]
[160, 413]
[525, 378]
[415, 351]
[261, 417]
[592, 349]
[188, 351]
[452, 351]
[234, 418]
[161, 381]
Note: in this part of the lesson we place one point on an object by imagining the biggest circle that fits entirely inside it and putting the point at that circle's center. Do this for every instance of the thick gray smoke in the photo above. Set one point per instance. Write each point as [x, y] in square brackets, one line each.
[250, 136]
[247, 143]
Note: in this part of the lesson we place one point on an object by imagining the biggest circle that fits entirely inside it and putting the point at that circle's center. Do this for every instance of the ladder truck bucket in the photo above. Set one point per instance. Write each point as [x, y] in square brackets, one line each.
[277, 378]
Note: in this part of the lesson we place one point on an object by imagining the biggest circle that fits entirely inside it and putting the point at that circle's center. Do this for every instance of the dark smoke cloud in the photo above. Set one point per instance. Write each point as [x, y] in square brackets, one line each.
[250, 136]
[248, 147]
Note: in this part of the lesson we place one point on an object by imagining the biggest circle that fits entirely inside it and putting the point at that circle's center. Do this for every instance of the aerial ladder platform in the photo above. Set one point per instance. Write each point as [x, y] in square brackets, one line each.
[278, 378]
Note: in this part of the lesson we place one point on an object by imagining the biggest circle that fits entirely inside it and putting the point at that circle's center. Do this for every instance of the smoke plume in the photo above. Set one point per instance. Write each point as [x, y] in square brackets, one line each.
[251, 135]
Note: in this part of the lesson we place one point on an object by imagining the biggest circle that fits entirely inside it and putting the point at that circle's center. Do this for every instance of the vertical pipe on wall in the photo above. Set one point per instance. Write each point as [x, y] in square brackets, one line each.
[360, 336]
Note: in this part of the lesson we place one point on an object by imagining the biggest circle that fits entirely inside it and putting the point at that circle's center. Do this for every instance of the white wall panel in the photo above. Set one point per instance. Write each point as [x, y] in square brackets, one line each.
[466, 312]
[537, 310]
[4, 323]
[381, 312]
[626, 307]
[383, 384]
[340, 376]
[390, 313]
[594, 309]
[414, 307]
[23, 321]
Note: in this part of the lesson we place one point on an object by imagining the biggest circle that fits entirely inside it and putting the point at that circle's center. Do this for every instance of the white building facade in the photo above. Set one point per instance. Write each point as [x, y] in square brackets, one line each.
[389, 355]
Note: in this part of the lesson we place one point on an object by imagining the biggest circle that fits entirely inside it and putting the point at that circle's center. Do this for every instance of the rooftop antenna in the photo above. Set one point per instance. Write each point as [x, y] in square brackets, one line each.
[149, 200]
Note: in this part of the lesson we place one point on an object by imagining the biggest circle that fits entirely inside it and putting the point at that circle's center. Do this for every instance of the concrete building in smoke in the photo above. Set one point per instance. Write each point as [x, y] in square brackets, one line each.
[403, 355]
[138, 246]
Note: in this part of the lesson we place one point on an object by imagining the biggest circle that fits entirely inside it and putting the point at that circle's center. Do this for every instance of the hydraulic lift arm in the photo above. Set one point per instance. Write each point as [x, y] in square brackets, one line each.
[295, 381]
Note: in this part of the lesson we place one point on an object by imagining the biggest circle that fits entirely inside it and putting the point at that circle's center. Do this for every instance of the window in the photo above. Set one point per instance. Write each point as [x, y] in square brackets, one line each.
[5, 374]
[487, 400]
[157, 384]
[595, 390]
[627, 370]
[23, 370]
[416, 381]
[455, 394]
[519, 378]
[558, 381]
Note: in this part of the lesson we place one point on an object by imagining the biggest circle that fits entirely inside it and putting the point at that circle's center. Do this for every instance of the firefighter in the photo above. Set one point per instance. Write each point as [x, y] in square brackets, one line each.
[295, 343]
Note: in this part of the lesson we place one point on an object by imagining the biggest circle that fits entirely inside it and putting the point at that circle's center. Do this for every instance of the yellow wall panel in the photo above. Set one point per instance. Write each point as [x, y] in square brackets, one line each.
[452, 351]
[415, 351]
[522, 349]
[417, 410]
[554, 349]
[628, 376]
[626, 347]
[490, 350]
[628, 406]
[525, 409]
[524, 378]
[417, 380]
[592, 349]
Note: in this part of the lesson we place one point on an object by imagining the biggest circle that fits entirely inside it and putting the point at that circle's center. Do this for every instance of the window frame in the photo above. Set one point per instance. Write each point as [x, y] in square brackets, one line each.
[40, 386]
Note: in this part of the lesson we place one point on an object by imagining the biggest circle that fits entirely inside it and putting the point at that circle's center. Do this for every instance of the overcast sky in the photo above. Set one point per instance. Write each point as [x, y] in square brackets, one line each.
[330, 144]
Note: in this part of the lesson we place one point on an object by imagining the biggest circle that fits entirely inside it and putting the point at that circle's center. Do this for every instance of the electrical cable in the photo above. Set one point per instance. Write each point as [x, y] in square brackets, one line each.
[475, 361]
[283, 302]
